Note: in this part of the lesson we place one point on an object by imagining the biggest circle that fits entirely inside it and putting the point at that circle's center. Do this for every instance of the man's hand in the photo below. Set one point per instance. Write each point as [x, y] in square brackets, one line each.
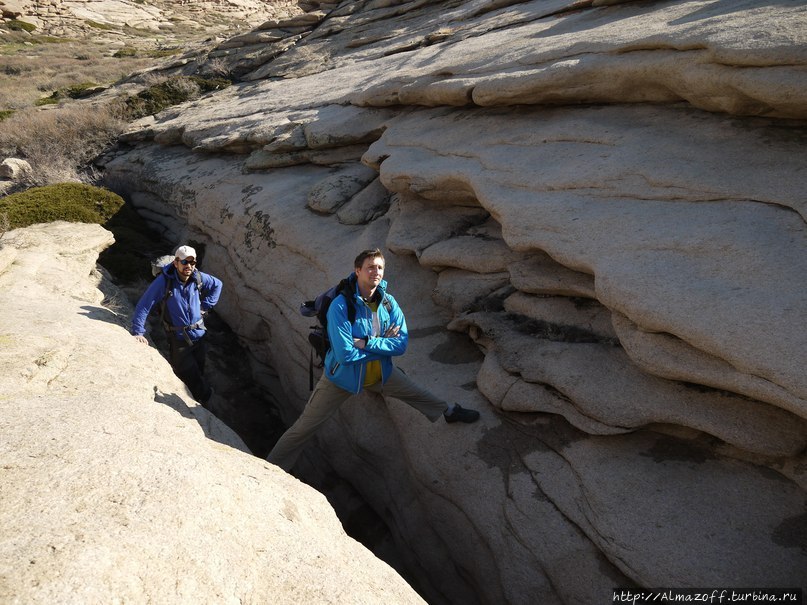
[392, 332]
[141, 338]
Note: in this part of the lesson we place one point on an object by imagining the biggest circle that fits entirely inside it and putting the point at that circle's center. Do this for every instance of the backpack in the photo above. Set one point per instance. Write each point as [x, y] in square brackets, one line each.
[318, 335]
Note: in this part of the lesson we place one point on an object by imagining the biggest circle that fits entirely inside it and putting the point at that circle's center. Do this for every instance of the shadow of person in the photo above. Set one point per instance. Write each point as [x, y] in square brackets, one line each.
[104, 314]
[213, 428]
[173, 401]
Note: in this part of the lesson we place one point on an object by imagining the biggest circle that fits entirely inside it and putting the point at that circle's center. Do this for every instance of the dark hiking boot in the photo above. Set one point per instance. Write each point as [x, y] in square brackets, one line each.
[461, 414]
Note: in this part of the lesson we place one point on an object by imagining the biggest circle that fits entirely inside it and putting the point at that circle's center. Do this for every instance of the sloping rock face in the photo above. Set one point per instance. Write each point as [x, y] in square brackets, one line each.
[596, 226]
[117, 487]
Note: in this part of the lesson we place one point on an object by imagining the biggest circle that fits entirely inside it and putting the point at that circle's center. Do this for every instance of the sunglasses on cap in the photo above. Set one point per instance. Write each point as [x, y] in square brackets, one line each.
[186, 261]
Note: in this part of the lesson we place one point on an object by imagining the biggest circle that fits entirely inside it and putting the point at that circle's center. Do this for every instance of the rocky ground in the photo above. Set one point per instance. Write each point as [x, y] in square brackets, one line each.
[74, 48]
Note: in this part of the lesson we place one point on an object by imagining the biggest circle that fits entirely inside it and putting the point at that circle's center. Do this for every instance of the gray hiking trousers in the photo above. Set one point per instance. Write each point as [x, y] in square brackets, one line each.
[325, 401]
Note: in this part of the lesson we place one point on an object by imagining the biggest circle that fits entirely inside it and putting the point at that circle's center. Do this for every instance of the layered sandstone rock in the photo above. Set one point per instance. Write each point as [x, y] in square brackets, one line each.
[116, 486]
[597, 230]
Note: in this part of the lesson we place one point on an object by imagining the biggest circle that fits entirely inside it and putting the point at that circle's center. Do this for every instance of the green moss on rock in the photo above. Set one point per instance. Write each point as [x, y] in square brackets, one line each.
[17, 25]
[73, 202]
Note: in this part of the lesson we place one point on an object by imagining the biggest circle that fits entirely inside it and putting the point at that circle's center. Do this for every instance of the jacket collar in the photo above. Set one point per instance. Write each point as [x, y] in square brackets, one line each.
[381, 290]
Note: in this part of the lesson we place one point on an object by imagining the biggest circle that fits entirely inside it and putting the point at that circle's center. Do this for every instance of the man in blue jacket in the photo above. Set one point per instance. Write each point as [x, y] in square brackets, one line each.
[360, 357]
[186, 295]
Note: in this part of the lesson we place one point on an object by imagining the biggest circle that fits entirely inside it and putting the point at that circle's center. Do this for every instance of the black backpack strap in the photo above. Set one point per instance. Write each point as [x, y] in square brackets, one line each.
[163, 312]
[199, 285]
[346, 290]
[311, 369]
[351, 310]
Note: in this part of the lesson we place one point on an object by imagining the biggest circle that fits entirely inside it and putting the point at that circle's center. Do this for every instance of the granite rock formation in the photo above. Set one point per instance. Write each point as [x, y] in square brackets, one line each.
[117, 487]
[596, 225]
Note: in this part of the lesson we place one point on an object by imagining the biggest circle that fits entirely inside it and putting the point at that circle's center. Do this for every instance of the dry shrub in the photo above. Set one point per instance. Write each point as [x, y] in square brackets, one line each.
[60, 142]
[151, 78]
[184, 88]
[13, 97]
[219, 68]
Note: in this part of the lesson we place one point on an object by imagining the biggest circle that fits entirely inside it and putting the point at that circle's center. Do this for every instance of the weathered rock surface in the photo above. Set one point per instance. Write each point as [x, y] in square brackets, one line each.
[115, 486]
[596, 222]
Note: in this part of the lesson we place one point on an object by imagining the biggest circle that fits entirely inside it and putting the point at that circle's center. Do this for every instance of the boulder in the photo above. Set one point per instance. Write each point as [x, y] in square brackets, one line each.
[15, 169]
[12, 9]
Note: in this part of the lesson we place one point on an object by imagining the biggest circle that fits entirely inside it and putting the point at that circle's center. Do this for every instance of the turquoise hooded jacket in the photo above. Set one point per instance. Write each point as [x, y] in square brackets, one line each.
[345, 363]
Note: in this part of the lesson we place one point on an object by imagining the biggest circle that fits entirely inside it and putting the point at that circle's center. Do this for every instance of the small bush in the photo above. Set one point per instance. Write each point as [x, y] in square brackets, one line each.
[50, 40]
[159, 53]
[77, 91]
[219, 68]
[17, 25]
[53, 99]
[169, 92]
[126, 51]
[211, 84]
[96, 25]
[5, 114]
[73, 202]
[160, 96]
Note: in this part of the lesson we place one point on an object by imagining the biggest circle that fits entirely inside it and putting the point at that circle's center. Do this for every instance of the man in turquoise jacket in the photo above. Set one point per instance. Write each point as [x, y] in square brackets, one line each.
[187, 294]
[360, 358]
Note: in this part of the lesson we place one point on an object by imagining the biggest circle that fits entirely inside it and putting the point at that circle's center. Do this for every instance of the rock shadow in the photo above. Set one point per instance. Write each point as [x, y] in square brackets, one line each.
[212, 427]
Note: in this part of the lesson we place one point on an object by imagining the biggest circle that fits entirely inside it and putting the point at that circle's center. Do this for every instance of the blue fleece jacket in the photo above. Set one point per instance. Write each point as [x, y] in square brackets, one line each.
[184, 304]
[344, 362]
